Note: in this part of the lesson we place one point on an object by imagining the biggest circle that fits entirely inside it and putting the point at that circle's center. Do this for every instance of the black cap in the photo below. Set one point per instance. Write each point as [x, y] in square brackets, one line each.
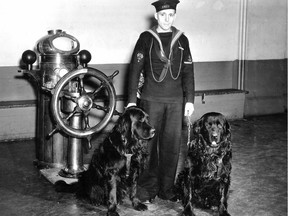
[165, 4]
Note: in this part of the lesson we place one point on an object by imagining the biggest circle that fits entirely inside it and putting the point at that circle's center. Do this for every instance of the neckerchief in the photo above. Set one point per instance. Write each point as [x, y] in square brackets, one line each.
[161, 54]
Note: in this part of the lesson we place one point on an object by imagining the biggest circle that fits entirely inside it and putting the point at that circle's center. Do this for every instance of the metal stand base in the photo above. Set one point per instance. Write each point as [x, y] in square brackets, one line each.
[53, 175]
[66, 173]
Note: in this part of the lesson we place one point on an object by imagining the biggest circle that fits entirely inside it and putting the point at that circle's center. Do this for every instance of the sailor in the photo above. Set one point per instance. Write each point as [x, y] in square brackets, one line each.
[163, 60]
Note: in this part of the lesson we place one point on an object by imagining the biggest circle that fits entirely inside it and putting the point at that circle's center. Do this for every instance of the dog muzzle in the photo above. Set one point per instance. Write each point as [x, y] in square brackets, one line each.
[214, 140]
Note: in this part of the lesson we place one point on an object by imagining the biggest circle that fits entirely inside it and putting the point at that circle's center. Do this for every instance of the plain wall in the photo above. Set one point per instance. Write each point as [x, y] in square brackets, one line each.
[109, 30]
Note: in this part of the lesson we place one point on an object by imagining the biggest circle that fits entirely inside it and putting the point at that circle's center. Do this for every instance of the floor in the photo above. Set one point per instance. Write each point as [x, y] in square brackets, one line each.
[259, 177]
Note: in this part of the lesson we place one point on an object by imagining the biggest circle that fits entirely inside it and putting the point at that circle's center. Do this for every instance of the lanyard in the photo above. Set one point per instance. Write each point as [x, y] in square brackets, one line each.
[189, 130]
[167, 61]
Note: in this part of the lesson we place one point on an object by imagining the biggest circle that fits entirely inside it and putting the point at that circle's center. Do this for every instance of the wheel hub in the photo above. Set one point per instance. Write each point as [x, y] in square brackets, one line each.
[85, 103]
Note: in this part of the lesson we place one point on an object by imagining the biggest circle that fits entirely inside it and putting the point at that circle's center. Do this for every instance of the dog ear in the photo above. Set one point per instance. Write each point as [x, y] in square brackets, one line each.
[227, 129]
[124, 126]
[197, 126]
[133, 120]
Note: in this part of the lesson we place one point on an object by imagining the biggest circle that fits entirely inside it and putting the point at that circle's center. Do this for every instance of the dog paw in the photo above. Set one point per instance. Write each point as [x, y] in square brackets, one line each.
[225, 213]
[188, 214]
[112, 214]
[188, 211]
[140, 207]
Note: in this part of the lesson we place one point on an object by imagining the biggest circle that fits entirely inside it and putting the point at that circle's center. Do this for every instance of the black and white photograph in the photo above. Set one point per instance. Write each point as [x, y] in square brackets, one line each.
[143, 107]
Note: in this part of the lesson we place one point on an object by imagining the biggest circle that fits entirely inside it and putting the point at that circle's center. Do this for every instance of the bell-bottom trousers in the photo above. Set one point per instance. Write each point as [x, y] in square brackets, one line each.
[159, 176]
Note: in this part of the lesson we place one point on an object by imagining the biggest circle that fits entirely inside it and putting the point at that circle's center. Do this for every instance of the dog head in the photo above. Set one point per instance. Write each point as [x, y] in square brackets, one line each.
[213, 127]
[134, 124]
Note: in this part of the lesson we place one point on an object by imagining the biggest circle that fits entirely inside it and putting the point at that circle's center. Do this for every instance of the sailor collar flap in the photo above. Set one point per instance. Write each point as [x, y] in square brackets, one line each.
[167, 66]
[175, 36]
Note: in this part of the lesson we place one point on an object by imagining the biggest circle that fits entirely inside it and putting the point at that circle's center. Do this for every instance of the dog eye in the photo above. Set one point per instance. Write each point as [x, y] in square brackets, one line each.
[219, 124]
[208, 124]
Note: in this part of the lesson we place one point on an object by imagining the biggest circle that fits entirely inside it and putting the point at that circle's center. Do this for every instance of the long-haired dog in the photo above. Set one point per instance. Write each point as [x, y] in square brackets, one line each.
[205, 180]
[117, 163]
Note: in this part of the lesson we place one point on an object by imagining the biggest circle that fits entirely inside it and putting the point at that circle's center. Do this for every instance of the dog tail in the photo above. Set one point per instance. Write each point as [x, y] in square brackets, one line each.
[62, 186]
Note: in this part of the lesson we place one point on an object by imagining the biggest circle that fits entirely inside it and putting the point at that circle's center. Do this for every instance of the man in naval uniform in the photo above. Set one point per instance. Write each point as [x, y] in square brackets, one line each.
[162, 56]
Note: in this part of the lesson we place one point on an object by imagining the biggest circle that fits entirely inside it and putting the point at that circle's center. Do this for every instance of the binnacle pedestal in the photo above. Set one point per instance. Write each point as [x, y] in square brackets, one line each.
[69, 95]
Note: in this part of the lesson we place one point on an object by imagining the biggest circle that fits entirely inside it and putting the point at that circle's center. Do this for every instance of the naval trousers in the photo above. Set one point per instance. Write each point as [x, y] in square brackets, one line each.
[163, 149]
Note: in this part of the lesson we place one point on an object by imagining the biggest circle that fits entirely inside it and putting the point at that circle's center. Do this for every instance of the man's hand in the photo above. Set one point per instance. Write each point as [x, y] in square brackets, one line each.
[130, 104]
[189, 109]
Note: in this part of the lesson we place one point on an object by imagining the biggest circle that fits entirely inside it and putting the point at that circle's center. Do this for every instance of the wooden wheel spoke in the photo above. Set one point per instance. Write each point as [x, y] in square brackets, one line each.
[103, 108]
[86, 120]
[76, 109]
[96, 91]
[81, 86]
[69, 97]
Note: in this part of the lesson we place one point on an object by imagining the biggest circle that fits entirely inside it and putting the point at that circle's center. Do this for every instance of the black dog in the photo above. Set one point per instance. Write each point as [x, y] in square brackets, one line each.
[115, 166]
[205, 180]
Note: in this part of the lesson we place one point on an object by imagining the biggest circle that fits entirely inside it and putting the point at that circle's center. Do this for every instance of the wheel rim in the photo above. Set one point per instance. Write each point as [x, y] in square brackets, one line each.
[83, 102]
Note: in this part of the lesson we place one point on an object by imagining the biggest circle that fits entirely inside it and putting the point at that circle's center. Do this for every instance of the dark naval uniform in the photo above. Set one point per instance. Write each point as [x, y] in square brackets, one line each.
[165, 61]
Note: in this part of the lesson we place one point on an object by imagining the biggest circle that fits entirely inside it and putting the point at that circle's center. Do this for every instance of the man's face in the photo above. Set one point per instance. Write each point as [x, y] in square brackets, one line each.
[165, 19]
